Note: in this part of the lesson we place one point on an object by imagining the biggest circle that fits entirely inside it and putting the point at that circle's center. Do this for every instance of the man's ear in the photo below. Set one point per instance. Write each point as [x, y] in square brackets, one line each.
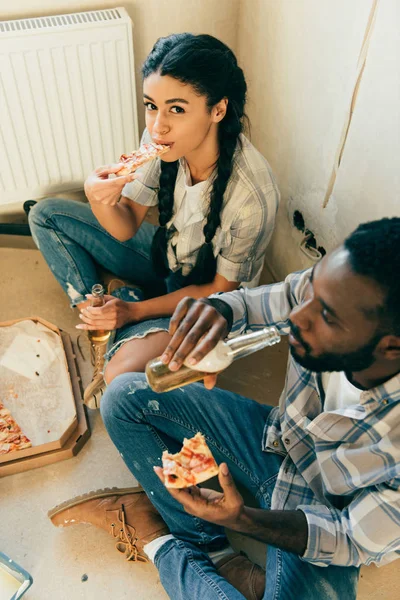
[389, 347]
[219, 110]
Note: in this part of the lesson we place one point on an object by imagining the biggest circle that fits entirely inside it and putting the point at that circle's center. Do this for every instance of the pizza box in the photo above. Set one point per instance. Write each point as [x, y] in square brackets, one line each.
[73, 437]
[35, 384]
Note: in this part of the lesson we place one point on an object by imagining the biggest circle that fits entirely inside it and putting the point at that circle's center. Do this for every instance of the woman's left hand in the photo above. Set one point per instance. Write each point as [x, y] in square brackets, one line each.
[112, 315]
[224, 508]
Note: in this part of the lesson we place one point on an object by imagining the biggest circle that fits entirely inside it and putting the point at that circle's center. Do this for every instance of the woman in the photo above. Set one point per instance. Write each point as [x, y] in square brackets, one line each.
[216, 197]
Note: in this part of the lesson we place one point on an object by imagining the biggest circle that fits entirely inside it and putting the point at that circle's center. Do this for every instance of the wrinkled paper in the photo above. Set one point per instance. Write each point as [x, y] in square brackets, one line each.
[34, 381]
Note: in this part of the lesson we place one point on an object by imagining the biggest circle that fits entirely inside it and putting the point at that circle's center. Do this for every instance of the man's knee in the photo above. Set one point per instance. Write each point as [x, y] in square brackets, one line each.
[123, 397]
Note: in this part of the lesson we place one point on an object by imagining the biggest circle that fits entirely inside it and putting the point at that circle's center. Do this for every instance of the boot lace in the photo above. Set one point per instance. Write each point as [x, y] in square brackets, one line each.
[97, 358]
[126, 542]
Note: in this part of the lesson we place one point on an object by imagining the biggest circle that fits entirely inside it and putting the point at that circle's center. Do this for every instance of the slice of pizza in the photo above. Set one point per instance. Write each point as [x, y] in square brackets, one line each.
[136, 159]
[192, 465]
[11, 436]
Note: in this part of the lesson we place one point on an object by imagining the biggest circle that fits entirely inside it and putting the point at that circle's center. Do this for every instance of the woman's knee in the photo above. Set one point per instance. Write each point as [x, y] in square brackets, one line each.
[133, 356]
[43, 210]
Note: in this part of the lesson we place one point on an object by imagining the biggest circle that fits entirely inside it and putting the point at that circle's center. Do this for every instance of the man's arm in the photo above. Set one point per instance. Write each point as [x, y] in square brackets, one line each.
[366, 531]
[285, 529]
[253, 308]
[197, 326]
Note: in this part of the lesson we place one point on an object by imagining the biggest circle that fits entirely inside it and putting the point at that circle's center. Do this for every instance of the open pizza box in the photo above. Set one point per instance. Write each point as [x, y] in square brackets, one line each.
[39, 385]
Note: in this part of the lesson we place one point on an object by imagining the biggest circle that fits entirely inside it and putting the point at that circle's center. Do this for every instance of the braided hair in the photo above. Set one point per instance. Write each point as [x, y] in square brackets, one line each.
[211, 68]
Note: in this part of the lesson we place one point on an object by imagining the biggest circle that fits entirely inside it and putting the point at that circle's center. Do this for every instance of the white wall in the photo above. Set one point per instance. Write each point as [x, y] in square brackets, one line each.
[301, 60]
[151, 18]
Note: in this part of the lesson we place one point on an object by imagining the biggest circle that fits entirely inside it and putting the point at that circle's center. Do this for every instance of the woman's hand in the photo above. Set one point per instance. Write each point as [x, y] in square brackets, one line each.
[99, 189]
[224, 508]
[112, 315]
[196, 328]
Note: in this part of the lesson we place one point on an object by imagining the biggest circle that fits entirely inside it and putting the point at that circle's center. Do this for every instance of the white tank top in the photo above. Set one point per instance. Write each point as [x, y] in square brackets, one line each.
[339, 392]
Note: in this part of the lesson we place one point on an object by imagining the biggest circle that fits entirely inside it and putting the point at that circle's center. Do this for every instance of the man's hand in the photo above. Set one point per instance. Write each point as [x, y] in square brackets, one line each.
[196, 327]
[224, 508]
[100, 189]
[112, 315]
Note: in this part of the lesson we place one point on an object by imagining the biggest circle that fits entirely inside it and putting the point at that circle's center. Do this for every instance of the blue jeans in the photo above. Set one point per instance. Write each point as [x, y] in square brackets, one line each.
[142, 424]
[74, 243]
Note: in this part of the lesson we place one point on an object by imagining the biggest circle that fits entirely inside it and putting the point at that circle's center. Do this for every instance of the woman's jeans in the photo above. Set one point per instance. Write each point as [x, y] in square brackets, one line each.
[142, 424]
[72, 241]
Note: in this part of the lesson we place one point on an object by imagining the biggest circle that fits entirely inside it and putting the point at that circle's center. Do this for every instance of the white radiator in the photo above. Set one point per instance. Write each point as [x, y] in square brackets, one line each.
[67, 100]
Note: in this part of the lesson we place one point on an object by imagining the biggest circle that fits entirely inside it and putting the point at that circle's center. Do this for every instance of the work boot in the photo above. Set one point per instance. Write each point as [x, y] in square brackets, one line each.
[94, 391]
[127, 514]
[244, 575]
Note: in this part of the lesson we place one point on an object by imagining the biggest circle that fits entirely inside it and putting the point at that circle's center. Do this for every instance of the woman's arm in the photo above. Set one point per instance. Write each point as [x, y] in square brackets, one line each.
[165, 305]
[120, 216]
[115, 313]
[122, 220]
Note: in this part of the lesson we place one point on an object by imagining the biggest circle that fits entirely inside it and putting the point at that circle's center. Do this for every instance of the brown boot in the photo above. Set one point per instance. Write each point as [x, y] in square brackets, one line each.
[247, 577]
[94, 391]
[127, 514]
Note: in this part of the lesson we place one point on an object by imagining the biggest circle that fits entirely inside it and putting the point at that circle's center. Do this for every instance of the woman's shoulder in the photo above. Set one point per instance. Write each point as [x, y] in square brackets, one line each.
[251, 169]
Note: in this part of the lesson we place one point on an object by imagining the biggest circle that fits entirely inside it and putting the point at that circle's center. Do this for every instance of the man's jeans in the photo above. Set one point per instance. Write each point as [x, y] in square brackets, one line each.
[142, 424]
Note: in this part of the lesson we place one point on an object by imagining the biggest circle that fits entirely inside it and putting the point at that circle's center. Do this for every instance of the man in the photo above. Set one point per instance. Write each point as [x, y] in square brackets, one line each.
[324, 465]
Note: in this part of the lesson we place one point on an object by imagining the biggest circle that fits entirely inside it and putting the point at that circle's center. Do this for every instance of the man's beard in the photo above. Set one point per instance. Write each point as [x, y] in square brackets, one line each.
[351, 362]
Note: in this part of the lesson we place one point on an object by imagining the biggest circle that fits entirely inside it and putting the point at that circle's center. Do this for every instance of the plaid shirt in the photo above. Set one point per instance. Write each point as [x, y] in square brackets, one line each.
[341, 468]
[247, 216]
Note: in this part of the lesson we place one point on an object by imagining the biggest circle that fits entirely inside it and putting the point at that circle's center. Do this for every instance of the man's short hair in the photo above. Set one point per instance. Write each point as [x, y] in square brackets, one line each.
[374, 249]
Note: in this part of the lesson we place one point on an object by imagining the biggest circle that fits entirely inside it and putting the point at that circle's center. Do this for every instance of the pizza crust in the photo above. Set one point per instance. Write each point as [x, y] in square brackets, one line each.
[191, 466]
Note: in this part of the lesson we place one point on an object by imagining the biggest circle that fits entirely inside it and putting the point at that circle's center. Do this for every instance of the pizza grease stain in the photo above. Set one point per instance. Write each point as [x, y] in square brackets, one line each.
[153, 405]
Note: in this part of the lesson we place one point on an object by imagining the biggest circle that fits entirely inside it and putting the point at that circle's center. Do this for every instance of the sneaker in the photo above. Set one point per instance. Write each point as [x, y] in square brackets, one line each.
[94, 391]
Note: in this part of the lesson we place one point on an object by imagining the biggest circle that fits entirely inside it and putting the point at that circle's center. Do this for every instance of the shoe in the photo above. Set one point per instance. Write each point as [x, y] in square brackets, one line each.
[126, 514]
[132, 293]
[247, 577]
[94, 391]
[114, 284]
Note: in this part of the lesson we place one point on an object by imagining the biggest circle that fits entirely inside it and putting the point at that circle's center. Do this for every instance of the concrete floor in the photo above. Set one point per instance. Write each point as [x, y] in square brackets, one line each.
[57, 559]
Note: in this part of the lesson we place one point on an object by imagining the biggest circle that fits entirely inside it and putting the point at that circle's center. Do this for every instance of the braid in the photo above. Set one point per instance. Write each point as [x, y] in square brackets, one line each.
[165, 207]
[206, 265]
[211, 68]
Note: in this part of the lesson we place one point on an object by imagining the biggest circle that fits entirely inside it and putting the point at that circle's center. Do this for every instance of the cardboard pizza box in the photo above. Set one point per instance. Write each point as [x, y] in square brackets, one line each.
[74, 432]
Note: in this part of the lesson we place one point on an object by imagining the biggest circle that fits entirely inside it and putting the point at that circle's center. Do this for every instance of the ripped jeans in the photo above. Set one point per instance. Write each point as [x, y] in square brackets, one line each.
[74, 243]
[142, 424]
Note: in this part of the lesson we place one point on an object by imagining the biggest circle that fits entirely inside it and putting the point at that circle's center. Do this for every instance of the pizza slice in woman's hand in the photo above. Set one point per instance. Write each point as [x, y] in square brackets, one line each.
[192, 465]
[136, 159]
